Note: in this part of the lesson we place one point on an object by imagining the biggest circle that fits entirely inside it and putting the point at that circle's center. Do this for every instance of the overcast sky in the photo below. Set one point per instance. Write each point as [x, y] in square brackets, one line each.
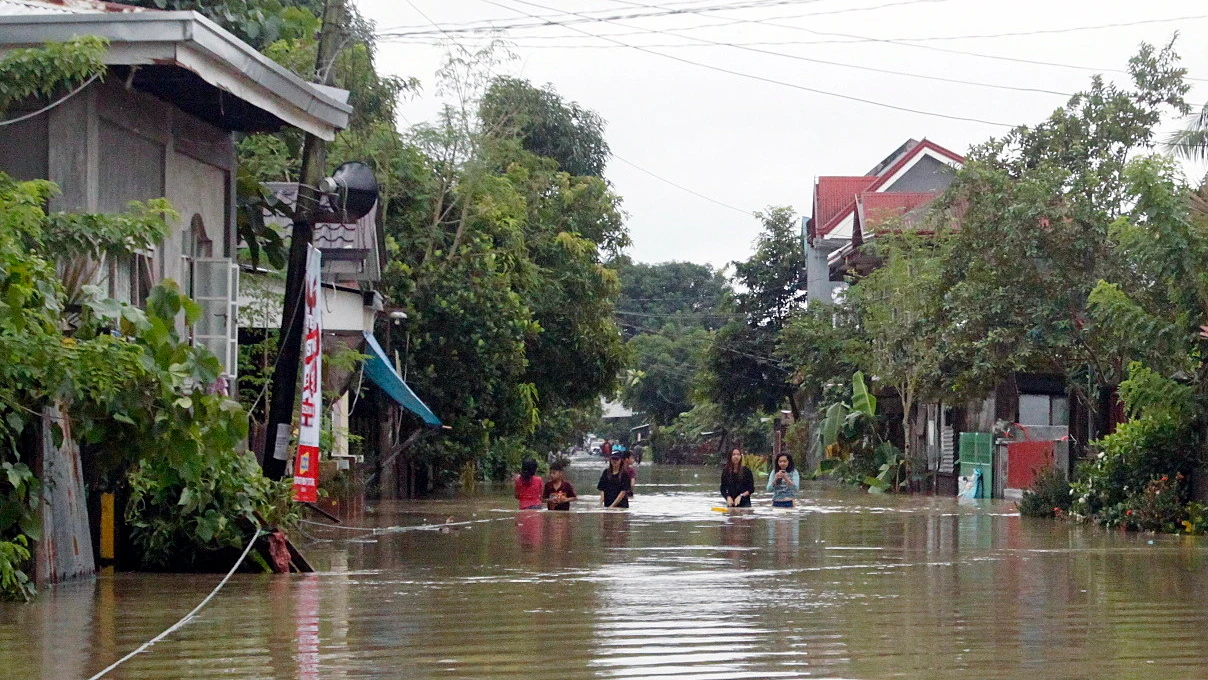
[750, 143]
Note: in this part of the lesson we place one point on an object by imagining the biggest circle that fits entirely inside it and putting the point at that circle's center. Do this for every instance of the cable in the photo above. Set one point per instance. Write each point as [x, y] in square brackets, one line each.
[873, 69]
[681, 187]
[771, 80]
[187, 617]
[584, 17]
[51, 105]
[397, 529]
[907, 42]
[852, 38]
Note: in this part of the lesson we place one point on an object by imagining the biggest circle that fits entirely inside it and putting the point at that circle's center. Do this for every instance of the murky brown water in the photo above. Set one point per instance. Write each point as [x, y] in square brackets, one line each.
[848, 586]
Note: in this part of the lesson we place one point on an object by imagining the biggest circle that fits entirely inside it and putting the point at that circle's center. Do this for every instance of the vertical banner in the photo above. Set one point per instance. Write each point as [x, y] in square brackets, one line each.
[306, 463]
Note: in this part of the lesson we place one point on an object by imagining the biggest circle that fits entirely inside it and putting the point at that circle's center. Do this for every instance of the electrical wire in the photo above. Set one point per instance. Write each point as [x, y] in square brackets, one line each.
[187, 617]
[913, 42]
[583, 17]
[753, 76]
[681, 187]
[873, 69]
[44, 109]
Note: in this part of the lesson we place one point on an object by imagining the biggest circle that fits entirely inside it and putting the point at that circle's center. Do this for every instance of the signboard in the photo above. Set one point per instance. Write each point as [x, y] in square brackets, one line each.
[306, 463]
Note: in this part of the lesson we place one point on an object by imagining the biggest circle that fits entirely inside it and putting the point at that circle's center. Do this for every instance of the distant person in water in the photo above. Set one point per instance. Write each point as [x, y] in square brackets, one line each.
[614, 484]
[630, 470]
[737, 482]
[558, 492]
[529, 486]
[784, 482]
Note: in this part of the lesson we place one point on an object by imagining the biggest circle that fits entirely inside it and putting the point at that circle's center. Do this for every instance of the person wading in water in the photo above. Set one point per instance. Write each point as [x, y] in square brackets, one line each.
[529, 486]
[737, 482]
[784, 482]
[558, 492]
[614, 484]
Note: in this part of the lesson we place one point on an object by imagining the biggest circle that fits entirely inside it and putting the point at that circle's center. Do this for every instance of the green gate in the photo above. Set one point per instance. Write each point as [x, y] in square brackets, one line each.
[977, 453]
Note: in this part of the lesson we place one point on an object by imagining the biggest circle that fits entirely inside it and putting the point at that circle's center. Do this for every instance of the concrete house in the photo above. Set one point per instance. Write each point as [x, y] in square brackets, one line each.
[160, 124]
[1034, 409]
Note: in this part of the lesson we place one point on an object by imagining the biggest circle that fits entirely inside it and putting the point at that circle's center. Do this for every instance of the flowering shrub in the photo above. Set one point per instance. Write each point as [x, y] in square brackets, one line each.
[1159, 507]
[1049, 495]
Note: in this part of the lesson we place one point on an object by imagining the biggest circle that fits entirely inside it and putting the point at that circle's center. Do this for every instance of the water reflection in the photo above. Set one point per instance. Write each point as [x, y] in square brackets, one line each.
[844, 586]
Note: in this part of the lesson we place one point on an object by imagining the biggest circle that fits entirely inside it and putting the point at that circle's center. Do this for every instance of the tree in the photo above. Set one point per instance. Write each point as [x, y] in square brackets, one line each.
[824, 347]
[665, 365]
[896, 307]
[1034, 210]
[498, 254]
[547, 125]
[744, 374]
[680, 293]
[1192, 141]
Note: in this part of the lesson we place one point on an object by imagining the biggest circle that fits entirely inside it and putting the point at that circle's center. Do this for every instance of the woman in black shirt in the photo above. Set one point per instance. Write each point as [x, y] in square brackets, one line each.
[737, 482]
[614, 484]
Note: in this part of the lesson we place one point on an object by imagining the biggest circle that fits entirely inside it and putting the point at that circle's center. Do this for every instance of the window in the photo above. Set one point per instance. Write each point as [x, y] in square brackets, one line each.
[1044, 409]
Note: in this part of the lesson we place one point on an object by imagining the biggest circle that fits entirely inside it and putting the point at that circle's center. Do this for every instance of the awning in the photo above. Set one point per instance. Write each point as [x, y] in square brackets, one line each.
[379, 369]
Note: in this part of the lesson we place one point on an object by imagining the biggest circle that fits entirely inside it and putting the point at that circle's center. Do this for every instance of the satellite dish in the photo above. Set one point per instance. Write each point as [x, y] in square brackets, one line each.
[351, 191]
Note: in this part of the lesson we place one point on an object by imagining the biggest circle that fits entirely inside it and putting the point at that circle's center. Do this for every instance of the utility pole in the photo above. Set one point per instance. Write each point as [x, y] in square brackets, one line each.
[314, 162]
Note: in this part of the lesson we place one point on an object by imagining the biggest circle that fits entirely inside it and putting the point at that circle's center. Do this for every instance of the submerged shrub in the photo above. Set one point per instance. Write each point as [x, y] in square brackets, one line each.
[1159, 507]
[1048, 496]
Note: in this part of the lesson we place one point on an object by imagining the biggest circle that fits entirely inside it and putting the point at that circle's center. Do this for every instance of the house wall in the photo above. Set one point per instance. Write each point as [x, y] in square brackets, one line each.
[927, 174]
[108, 146]
[23, 148]
[817, 271]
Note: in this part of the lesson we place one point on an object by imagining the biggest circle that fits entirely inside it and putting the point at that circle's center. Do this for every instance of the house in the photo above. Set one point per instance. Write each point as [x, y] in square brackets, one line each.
[847, 210]
[1029, 415]
[352, 264]
[160, 124]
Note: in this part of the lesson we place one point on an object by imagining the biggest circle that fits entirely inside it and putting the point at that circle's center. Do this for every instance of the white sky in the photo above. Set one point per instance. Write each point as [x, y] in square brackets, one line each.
[752, 144]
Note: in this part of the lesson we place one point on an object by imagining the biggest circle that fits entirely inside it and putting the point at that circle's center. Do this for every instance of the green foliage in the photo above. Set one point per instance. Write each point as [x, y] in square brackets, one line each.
[897, 306]
[44, 71]
[1036, 209]
[1049, 495]
[256, 22]
[744, 375]
[665, 369]
[1139, 451]
[825, 349]
[185, 508]
[546, 125]
[1159, 506]
[14, 583]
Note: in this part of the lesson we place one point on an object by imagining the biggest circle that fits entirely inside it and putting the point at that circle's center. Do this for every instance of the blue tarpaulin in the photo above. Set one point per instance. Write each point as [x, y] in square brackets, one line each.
[379, 369]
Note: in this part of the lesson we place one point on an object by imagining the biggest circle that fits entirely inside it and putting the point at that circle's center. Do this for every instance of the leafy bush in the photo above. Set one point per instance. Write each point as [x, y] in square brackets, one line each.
[1159, 507]
[182, 512]
[1138, 451]
[14, 583]
[1049, 495]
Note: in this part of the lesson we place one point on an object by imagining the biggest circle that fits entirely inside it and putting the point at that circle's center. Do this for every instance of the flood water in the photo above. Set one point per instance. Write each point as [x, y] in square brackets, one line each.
[846, 586]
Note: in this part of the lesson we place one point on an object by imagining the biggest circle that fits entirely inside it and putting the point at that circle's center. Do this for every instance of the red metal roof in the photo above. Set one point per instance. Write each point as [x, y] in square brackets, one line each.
[875, 208]
[835, 197]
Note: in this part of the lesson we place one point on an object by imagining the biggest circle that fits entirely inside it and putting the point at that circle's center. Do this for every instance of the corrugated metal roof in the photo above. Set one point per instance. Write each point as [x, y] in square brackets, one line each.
[835, 196]
[876, 208]
[186, 59]
[350, 251]
[34, 7]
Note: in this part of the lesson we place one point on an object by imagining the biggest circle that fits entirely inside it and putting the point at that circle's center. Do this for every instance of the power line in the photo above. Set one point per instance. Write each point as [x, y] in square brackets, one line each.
[770, 80]
[584, 17]
[682, 187]
[873, 69]
[850, 37]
